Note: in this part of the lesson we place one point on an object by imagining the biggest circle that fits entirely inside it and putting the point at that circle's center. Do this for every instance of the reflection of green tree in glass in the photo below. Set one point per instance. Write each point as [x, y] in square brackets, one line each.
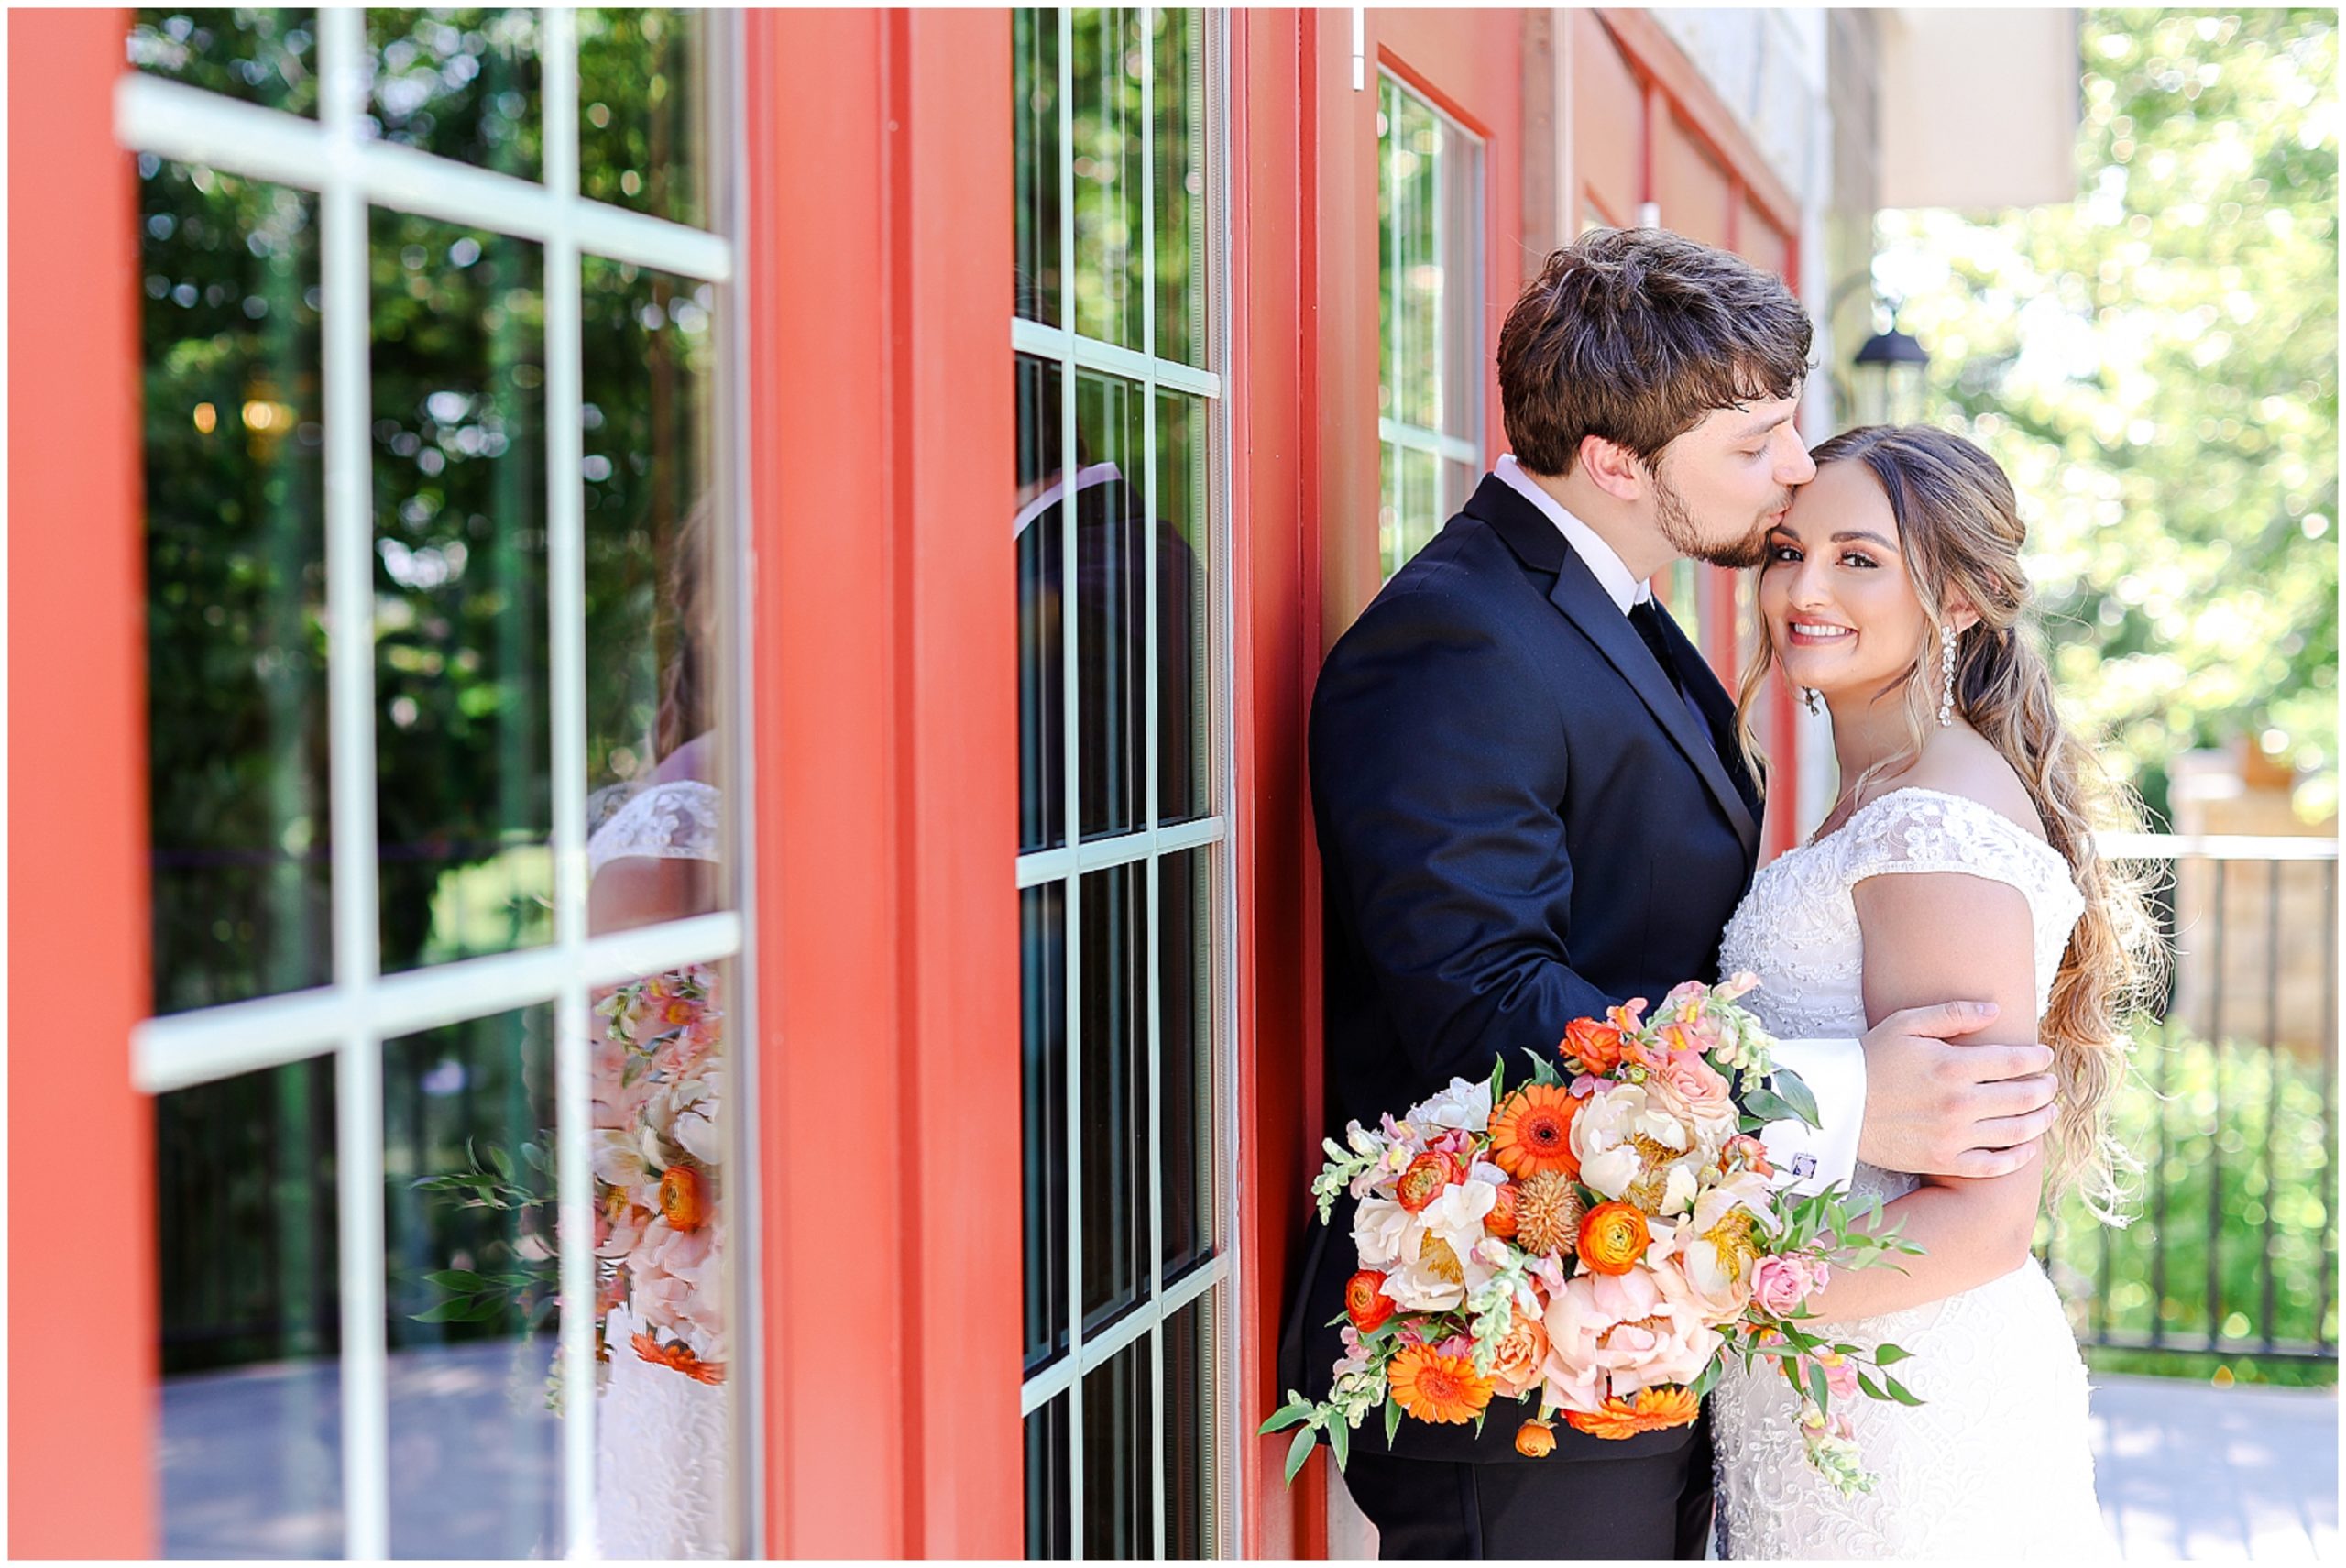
[2157, 365]
[264, 56]
[638, 144]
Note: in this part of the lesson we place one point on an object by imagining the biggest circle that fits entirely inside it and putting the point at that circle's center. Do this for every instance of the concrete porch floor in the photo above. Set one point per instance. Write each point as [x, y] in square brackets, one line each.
[2186, 1471]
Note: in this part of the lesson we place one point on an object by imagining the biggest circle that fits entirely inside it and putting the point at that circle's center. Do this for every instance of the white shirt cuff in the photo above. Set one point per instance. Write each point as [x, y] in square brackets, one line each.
[1810, 1160]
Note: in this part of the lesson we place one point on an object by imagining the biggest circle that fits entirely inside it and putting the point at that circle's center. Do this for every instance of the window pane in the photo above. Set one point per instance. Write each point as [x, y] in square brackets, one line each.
[463, 84]
[1179, 175]
[1119, 1499]
[250, 1312]
[1109, 56]
[640, 131]
[1192, 1444]
[1034, 143]
[663, 1233]
[266, 57]
[1460, 279]
[1185, 1057]
[1110, 628]
[1185, 565]
[1410, 511]
[1115, 1095]
[655, 621]
[1042, 677]
[463, 809]
[469, 1292]
[236, 586]
[1042, 939]
[1050, 1532]
[1408, 276]
[1458, 482]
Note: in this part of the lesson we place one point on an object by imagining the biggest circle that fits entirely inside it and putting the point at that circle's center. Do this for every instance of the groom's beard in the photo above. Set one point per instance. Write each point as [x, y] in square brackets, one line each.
[1677, 524]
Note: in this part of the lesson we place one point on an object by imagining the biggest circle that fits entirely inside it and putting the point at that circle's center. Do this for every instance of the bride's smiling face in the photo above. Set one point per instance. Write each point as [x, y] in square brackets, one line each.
[1834, 590]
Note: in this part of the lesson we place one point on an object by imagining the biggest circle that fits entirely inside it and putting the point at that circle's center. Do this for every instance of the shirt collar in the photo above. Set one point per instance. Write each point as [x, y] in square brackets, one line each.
[1604, 564]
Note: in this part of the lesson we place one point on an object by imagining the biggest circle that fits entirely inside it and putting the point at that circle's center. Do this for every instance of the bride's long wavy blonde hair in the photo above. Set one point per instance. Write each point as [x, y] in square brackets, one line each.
[1960, 531]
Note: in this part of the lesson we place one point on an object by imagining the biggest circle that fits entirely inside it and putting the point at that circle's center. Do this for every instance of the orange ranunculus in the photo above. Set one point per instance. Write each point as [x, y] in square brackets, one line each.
[1613, 1237]
[1500, 1220]
[1536, 1440]
[1437, 1388]
[1531, 1132]
[679, 1356]
[1648, 1410]
[684, 1198]
[1423, 1182]
[1597, 1047]
[1365, 1301]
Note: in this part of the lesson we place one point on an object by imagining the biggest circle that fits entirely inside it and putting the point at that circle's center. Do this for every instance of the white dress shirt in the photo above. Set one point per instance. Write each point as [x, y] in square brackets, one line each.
[1806, 1158]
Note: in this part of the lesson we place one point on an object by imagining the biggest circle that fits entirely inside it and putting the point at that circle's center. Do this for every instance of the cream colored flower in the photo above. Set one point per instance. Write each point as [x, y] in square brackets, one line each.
[1635, 1147]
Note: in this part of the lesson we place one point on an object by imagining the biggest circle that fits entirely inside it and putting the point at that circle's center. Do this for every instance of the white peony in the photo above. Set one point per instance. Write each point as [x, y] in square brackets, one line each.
[1380, 1228]
[1633, 1148]
[1462, 1104]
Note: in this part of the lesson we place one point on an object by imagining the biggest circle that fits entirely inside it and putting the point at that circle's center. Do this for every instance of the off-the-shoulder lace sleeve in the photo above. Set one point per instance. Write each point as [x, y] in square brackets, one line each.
[1925, 830]
[675, 821]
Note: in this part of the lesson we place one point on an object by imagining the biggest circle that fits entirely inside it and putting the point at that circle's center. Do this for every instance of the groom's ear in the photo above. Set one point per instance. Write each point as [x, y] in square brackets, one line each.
[1613, 469]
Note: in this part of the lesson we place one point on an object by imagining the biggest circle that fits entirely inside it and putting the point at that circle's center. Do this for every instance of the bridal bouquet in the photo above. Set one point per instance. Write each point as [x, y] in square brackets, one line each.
[1594, 1244]
[658, 1081]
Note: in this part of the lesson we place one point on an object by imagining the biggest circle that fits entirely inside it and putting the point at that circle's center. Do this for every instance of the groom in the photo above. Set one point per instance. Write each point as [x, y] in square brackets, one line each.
[1531, 807]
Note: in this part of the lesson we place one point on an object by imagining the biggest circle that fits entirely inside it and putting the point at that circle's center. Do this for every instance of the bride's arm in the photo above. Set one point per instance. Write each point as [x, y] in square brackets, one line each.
[1930, 935]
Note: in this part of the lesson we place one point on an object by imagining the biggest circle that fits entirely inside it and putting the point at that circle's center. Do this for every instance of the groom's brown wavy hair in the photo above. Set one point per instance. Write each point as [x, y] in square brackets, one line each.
[1633, 336]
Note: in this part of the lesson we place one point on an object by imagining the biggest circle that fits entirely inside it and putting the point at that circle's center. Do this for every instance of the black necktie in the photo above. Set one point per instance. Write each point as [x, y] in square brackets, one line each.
[1647, 618]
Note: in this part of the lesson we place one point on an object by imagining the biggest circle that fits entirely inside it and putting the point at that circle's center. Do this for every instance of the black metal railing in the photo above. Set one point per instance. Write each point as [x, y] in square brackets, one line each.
[2230, 1108]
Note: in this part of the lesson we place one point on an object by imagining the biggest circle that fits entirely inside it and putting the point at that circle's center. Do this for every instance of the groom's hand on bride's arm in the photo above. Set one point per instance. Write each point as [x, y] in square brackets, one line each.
[1938, 1104]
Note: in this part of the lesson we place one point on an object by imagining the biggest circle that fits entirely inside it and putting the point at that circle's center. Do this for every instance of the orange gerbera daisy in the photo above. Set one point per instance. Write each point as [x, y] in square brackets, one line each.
[1597, 1047]
[1613, 1236]
[679, 1356]
[1649, 1409]
[1531, 1132]
[1437, 1388]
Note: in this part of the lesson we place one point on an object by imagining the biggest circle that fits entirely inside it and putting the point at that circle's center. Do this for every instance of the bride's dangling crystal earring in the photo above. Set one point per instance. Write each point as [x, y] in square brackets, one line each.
[1808, 701]
[1946, 672]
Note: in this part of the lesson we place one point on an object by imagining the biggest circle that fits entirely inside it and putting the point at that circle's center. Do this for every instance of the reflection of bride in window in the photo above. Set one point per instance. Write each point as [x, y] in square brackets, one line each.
[652, 855]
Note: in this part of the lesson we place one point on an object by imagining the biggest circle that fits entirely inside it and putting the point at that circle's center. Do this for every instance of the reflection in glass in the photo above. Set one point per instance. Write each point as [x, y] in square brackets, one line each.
[250, 1312]
[460, 83]
[639, 98]
[1119, 1499]
[1113, 1146]
[267, 57]
[1179, 104]
[1110, 628]
[470, 1289]
[653, 621]
[1192, 1528]
[1184, 614]
[1042, 755]
[1050, 1532]
[1110, 52]
[1185, 984]
[463, 807]
[236, 586]
[1042, 942]
[1429, 293]
[1034, 142]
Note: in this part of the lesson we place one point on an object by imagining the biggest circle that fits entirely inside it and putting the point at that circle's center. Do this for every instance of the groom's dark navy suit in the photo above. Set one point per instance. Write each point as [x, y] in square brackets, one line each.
[1523, 820]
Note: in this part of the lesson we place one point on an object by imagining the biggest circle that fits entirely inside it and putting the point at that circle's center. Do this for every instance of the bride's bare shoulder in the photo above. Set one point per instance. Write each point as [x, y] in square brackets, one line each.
[1959, 761]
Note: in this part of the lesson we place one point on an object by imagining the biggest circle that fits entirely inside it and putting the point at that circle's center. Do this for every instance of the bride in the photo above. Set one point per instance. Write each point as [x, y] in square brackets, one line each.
[1959, 862]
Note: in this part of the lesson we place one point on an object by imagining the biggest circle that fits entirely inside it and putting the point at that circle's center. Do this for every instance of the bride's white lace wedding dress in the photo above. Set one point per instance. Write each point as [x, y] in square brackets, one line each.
[1996, 1462]
[661, 1437]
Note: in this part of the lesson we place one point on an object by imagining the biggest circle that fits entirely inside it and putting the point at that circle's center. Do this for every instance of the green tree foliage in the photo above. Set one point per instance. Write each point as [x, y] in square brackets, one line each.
[2156, 366]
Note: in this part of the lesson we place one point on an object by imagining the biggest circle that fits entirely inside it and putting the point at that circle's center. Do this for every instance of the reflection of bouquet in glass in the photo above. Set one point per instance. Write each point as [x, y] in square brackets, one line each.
[1594, 1244]
[658, 1155]
[659, 1152]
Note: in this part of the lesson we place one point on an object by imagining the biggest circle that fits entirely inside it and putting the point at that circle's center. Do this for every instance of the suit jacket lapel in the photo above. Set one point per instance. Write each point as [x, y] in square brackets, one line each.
[1587, 605]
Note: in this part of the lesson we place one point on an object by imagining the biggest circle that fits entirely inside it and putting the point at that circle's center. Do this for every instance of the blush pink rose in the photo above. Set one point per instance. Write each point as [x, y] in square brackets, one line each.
[1778, 1285]
[1614, 1334]
[1700, 1094]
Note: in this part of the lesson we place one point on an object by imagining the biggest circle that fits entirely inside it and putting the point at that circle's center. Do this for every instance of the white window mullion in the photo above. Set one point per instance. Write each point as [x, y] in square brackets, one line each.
[1155, 905]
[567, 621]
[1046, 342]
[344, 328]
[1070, 786]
